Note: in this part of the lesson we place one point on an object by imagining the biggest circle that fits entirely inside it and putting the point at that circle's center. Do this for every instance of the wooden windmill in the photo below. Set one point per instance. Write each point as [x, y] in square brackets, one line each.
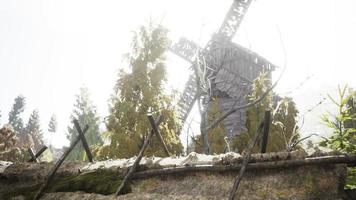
[229, 69]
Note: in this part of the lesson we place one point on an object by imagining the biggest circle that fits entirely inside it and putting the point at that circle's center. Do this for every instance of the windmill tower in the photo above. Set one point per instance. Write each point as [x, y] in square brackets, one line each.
[229, 68]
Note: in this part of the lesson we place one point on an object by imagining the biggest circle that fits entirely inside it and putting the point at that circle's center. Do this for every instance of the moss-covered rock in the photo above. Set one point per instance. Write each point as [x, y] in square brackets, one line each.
[99, 182]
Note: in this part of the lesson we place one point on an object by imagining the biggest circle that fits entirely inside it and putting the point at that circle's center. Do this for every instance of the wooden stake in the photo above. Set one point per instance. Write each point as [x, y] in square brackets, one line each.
[32, 155]
[244, 164]
[34, 159]
[266, 124]
[84, 141]
[158, 134]
[57, 165]
[138, 159]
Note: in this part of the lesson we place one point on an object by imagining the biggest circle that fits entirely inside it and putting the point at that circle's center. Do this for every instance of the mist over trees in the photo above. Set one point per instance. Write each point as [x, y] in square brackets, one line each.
[141, 90]
[33, 130]
[15, 119]
[52, 125]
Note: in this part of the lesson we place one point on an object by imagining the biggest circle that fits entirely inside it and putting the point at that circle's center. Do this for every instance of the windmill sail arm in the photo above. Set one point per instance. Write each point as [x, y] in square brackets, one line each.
[188, 98]
[185, 49]
[234, 18]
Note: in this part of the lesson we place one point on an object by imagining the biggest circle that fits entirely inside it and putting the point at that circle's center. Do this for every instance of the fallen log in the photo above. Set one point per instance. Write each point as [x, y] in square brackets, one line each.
[342, 159]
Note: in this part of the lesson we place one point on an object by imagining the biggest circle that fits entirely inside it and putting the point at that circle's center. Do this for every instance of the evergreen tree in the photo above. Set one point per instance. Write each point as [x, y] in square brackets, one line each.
[15, 119]
[52, 129]
[217, 136]
[33, 129]
[283, 129]
[85, 112]
[52, 125]
[138, 93]
[343, 124]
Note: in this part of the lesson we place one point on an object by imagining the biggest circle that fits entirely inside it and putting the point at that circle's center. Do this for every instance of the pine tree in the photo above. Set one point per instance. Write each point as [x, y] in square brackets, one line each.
[52, 129]
[85, 112]
[15, 119]
[343, 124]
[284, 130]
[138, 93]
[33, 129]
[52, 125]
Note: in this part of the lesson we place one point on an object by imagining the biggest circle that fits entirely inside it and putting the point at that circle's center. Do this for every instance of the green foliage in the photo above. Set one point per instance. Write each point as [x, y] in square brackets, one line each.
[33, 128]
[343, 124]
[255, 114]
[283, 129]
[15, 155]
[7, 138]
[15, 119]
[99, 182]
[85, 112]
[216, 136]
[351, 178]
[138, 93]
[46, 156]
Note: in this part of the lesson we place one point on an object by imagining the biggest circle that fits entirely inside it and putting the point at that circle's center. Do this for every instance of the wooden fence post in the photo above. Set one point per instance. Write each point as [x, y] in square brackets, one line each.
[84, 141]
[57, 165]
[244, 164]
[266, 123]
[35, 156]
[138, 159]
[32, 155]
[158, 134]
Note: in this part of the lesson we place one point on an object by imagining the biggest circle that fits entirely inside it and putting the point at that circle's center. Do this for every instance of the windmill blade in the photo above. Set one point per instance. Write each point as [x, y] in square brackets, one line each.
[188, 98]
[234, 18]
[185, 49]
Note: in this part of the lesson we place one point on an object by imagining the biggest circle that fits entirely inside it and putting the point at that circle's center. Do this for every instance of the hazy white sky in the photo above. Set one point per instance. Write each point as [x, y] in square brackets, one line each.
[48, 49]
